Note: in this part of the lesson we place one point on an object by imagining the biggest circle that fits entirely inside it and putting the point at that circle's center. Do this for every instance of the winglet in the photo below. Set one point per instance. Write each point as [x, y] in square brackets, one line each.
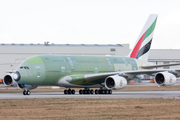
[143, 43]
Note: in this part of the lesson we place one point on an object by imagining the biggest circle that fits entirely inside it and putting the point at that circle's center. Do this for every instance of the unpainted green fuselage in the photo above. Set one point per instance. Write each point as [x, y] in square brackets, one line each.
[49, 69]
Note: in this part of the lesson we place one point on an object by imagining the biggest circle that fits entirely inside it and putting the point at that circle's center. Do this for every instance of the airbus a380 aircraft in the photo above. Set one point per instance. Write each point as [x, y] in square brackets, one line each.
[79, 71]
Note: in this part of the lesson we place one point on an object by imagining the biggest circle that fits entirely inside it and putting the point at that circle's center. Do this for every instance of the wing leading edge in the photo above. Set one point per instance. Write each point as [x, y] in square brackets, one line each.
[156, 66]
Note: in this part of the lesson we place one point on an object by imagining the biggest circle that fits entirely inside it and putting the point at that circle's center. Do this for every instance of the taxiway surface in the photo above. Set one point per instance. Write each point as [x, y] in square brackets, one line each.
[133, 94]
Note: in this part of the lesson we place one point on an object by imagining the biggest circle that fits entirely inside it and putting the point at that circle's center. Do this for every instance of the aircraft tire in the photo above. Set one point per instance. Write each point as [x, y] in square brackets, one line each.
[24, 92]
[84, 91]
[96, 91]
[28, 92]
[92, 91]
[80, 91]
[69, 91]
[105, 91]
[88, 91]
[109, 91]
[65, 92]
[100, 91]
[73, 91]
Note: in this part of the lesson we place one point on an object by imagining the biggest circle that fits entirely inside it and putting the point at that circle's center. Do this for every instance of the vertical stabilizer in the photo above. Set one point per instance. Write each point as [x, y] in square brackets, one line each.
[142, 46]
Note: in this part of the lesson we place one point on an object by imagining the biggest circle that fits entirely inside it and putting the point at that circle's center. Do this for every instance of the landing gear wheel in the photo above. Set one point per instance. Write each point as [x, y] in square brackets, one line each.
[100, 91]
[80, 91]
[24, 92]
[73, 91]
[65, 92]
[96, 91]
[92, 91]
[88, 91]
[109, 91]
[84, 91]
[69, 91]
[105, 91]
[28, 92]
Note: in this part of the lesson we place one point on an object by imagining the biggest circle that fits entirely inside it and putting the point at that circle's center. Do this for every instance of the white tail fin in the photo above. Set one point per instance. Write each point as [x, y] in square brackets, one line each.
[142, 46]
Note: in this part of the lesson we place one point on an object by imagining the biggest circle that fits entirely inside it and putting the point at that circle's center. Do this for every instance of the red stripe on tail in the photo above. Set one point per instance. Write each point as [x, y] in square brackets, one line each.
[137, 47]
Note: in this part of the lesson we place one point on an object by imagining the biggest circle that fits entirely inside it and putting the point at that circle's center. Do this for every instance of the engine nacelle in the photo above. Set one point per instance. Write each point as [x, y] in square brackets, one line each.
[8, 80]
[165, 79]
[115, 82]
[27, 87]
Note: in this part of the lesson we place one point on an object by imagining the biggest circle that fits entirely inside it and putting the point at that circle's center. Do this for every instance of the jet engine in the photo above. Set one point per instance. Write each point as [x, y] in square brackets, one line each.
[27, 87]
[165, 79]
[115, 82]
[8, 80]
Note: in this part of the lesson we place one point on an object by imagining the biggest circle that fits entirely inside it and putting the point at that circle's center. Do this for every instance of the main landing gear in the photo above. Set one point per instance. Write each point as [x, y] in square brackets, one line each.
[88, 91]
[26, 92]
[69, 91]
[103, 91]
[100, 91]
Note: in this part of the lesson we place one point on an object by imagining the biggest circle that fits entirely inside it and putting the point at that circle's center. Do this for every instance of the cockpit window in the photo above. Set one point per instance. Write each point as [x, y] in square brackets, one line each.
[25, 67]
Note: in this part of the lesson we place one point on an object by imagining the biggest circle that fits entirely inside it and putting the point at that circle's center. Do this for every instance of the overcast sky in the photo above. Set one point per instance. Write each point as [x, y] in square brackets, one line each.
[88, 21]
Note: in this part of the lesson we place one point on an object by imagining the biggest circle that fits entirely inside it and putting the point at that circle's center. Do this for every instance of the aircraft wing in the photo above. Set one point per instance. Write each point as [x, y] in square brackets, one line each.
[136, 72]
[132, 74]
[98, 78]
[127, 73]
[123, 73]
[156, 66]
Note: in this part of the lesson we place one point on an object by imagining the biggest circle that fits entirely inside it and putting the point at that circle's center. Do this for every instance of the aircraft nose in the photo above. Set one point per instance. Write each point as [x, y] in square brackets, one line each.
[16, 76]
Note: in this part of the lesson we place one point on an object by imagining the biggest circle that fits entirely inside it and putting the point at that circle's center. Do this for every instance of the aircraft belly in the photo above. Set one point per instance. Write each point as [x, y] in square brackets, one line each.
[65, 82]
[80, 86]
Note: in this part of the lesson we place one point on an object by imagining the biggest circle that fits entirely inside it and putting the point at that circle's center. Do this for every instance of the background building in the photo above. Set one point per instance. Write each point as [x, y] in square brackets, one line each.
[13, 54]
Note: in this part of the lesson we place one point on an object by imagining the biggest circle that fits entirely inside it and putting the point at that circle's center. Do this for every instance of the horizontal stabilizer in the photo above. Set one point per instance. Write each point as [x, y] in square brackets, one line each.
[156, 66]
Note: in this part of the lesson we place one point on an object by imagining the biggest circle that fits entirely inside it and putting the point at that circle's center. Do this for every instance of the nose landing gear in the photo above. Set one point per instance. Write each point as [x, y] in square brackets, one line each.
[26, 92]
